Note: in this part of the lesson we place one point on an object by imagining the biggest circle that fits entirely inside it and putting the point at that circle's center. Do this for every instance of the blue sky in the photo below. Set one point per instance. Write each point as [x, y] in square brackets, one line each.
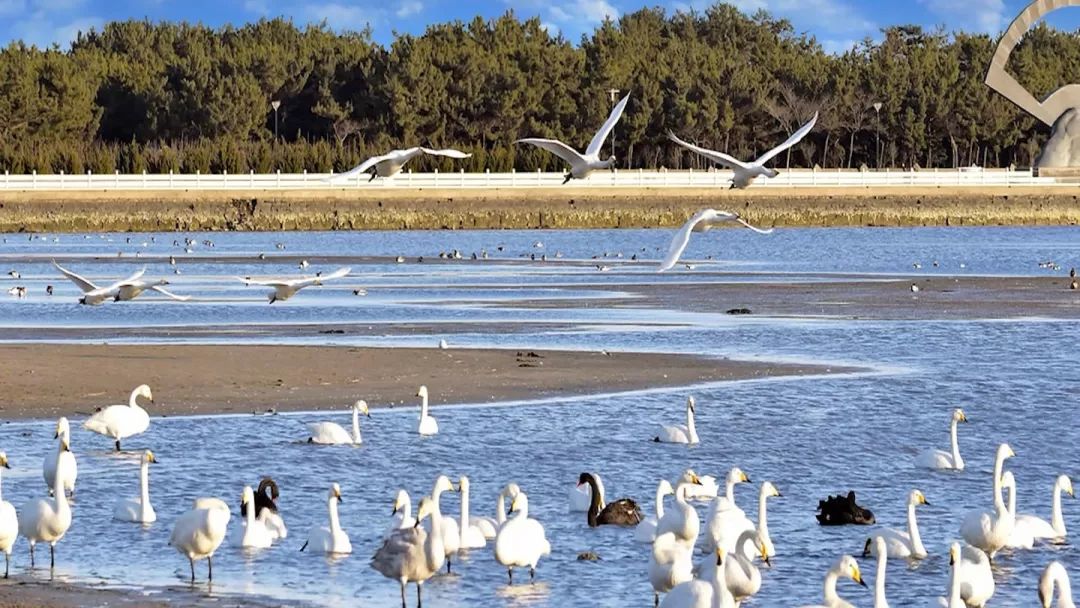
[838, 24]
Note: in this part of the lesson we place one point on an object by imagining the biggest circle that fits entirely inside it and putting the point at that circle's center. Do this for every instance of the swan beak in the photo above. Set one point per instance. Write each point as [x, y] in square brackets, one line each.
[339, 499]
[857, 577]
[866, 547]
[765, 556]
[695, 479]
[746, 478]
[4, 463]
[394, 512]
[926, 502]
[417, 524]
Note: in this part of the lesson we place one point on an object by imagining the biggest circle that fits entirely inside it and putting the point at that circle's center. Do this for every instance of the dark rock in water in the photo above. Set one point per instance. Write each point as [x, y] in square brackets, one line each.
[588, 556]
[842, 510]
[739, 311]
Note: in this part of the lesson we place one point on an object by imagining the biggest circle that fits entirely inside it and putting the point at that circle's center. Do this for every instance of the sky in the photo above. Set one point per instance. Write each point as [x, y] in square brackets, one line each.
[837, 24]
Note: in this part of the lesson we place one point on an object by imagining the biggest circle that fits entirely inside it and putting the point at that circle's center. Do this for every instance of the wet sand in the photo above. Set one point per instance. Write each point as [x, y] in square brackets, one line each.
[189, 379]
[22, 592]
[937, 298]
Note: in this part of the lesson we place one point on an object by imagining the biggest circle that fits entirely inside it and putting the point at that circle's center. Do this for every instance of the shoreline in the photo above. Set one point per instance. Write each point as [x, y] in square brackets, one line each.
[398, 208]
[242, 379]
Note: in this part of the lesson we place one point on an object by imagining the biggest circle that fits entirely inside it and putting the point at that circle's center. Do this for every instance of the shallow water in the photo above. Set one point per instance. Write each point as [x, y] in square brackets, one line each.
[1016, 380]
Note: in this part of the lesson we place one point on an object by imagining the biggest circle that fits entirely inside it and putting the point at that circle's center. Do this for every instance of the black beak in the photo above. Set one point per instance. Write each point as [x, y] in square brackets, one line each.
[862, 582]
[394, 512]
[417, 524]
[56, 434]
[766, 560]
[339, 499]
[7, 466]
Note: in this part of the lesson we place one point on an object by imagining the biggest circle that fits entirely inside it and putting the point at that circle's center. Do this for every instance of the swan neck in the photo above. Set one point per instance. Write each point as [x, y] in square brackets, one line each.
[594, 503]
[913, 530]
[1057, 520]
[690, 429]
[831, 598]
[1011, 507]
[957, 461]
[729, 491]
[762, 514]
[880, 600]
[660, 504]
[144, 484]
[1065, 598]
[999, 464]
[954, 586]
[500, 511]
[356, 425]
[464, 512]
[58, 493]
[423, 405]
[133, 399]
[331, 504]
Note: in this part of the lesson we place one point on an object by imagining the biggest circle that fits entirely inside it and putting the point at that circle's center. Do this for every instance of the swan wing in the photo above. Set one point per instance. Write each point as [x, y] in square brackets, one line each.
[754, 228]
[558, 148]
[934, 459]
[128, 281]
[363, 167]
[170, 294]
[598, 140]
[84, 284]
[328, 433]
[795, 138]
[681, 240]
[674, 434]
[337, 274]
[1033, 526]
[717, 157]
[450, 153]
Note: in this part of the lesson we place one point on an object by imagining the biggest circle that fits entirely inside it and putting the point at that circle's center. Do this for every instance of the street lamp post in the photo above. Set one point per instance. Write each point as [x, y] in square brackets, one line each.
[275, 104]
[613, 94]
[877, 134]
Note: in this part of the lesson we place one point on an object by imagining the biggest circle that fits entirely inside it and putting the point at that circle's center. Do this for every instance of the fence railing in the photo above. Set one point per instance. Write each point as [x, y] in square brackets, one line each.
[517, 179]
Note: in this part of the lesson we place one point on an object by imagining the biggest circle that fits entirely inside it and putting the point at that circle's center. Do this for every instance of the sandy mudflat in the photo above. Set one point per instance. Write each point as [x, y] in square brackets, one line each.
[22, 592]
[227, 379]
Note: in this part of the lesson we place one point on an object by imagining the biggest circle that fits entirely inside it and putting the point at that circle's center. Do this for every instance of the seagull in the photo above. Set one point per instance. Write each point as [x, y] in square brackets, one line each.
[287, 288]
[746, 173]
[390, 164]
[122, 290]
[702, 221]
[581, 165]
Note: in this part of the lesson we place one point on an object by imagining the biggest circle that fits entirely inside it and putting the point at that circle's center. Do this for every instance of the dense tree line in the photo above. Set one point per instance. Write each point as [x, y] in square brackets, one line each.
[166, 96]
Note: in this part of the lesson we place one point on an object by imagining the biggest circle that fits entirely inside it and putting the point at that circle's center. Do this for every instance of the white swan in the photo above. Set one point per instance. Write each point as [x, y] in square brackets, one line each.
[61, 462]
[521, 541]
[1053, 530]
[139, 510]
[678, 433]
[580, 496]
[510, 490]
[391, 163]
[742, 576]
[726, 520]
[846, 566]
[710, 591]
[93, 294]
[582, 165]
[412, 554]
[706, 488]
[255, 535]
[330, 538]
[702, 221]
[768, 490]
[1055, 576]
[122, 421]
[670, 564]
[682, 520]
[976, 577]
[989, 530]
[746, 173]
[9, 523]
[428, 424]
[1019, 538]
[331, 433]
[902, 544]
[880, 601]
[401, 517]
[287, 288]
[940, 459]
[46, 520]
[198, 533]
[645, 532]
[471, 530]
[953, 600]
[451, 534]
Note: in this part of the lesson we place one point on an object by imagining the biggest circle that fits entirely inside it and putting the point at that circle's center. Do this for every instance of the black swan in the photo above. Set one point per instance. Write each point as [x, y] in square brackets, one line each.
[622, 512]
[264, 498]
[842, 510]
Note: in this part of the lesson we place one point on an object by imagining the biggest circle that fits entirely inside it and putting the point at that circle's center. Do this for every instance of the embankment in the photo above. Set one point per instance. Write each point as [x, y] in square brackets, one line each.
[395, 208]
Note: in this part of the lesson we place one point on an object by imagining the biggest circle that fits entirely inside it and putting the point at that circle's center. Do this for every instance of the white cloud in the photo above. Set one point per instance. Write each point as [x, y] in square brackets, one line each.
[838, 47]
[972, 15]
[829, 16]
[40, 30]
[338, 16]
[409, 8]
[259, 7]
[574, 16]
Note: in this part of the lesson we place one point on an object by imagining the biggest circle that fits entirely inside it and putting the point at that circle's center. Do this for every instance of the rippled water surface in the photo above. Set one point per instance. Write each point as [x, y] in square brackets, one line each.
[1017, 381]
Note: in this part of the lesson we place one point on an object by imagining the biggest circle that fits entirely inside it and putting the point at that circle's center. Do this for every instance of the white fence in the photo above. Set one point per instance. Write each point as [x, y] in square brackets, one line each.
[620, 179]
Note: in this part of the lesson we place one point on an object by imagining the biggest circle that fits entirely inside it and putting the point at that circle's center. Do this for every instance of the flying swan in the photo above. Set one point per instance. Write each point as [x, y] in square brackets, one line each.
[582, 165]
[122, 290]
[287, 288]
[391, 163]
[746, 173]
[702, 221]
